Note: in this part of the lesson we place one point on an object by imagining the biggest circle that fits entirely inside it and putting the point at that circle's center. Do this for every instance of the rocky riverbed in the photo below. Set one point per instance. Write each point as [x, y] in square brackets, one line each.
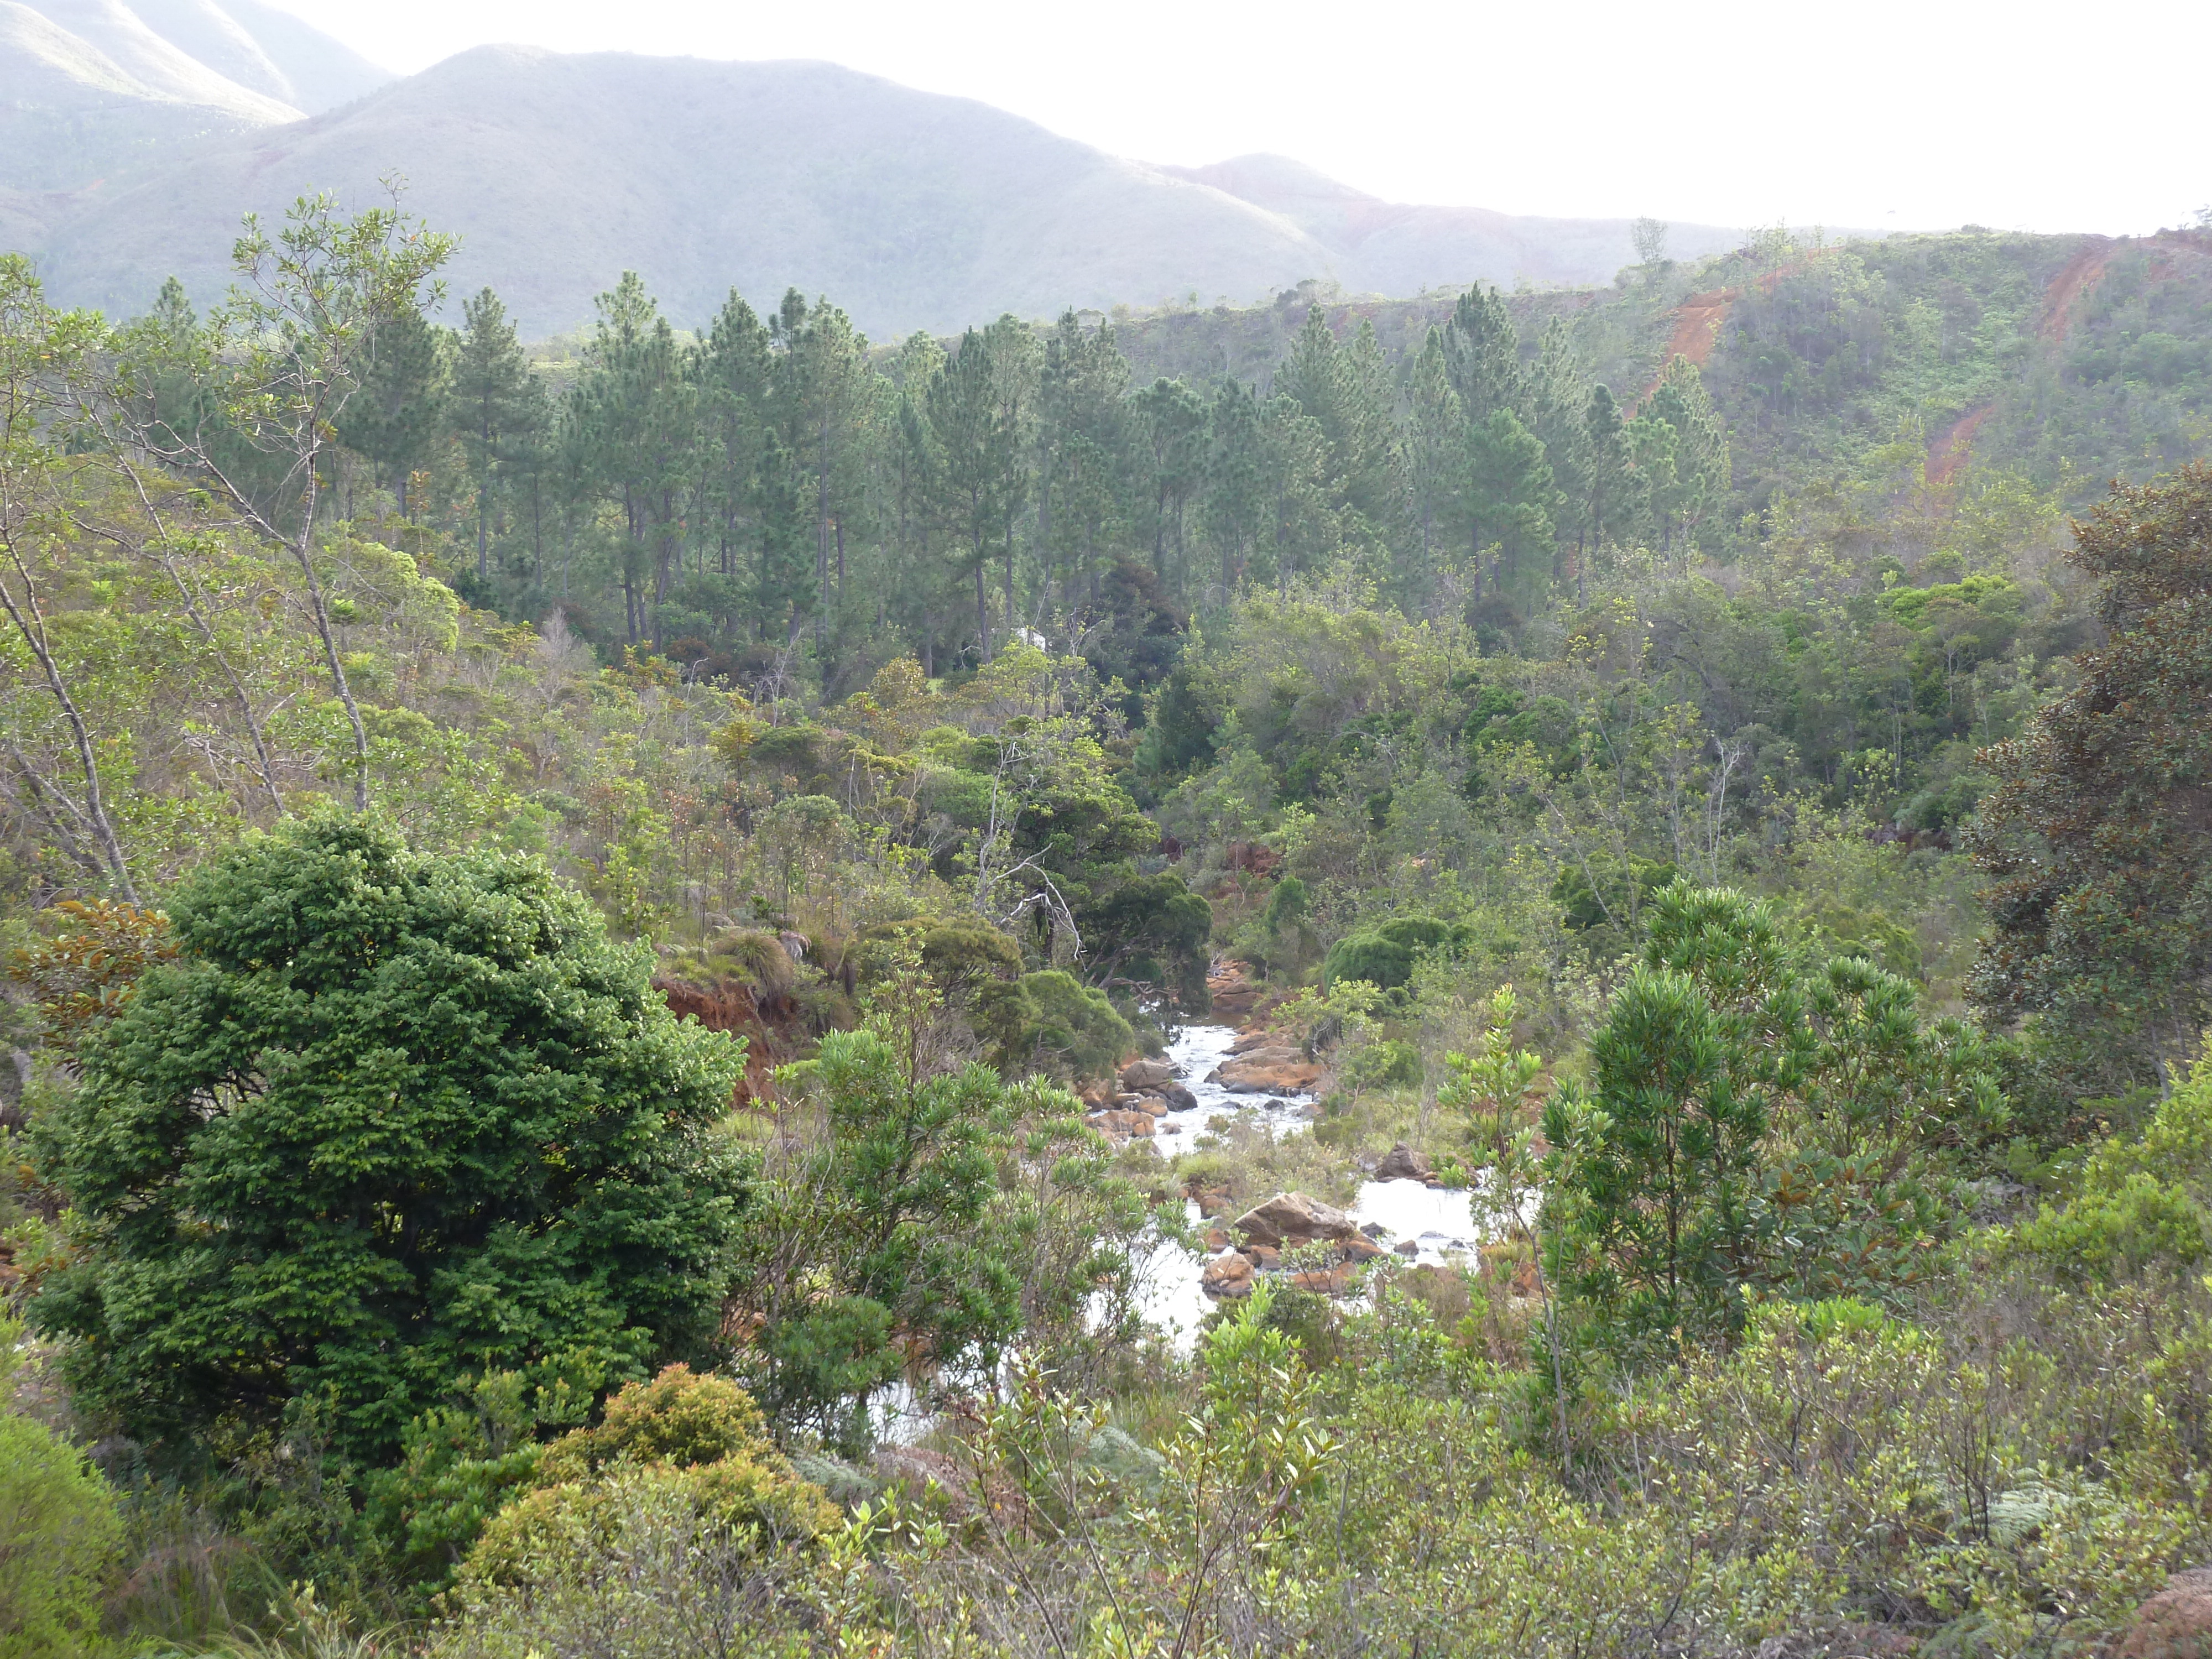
[1200, 1083]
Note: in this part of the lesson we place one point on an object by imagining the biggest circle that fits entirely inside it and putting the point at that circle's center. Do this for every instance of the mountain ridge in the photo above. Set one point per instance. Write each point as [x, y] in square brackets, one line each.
[560, 172]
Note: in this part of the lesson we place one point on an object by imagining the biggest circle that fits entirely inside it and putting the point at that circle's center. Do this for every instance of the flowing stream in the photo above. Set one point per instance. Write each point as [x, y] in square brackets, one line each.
[1437, 1221]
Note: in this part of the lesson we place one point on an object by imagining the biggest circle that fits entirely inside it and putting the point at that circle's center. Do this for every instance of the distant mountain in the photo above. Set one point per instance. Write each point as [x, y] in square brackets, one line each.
[271, 51]
[1385, 247]
[94, 92]
[911, 210]
[561, 172]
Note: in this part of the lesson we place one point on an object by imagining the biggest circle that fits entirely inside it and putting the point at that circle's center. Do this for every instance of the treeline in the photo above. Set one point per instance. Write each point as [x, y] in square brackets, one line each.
[776, 484]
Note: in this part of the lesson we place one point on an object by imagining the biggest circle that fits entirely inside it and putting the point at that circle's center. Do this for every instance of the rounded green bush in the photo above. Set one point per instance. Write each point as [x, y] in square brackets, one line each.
[58, 1532]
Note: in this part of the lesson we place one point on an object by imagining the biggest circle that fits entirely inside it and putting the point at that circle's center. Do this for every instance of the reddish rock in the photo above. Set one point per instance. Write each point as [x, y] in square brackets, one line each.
[1274, 1071]
[1252, 856]
[1217, 1238]
[1328, 1281]
[1289, 1219]
[1263, 1255]
[1228, 1274]
[1357, 1249]
[1095, 1096]
[1230, 990]
[2174, 1624]
[1212, 1200]
[1150, 1105]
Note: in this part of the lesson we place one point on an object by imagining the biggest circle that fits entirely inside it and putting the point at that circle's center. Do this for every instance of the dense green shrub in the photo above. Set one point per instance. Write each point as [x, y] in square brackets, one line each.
[1384, 955]
[682, 1437]
[388, 1120]
[1050, 1023]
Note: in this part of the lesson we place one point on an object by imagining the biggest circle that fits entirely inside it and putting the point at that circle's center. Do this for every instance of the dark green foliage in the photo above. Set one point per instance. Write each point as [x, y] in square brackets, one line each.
[1051, 1023]
[1753, 1125]
[1385, 955]
[1286, 905]
[2098, 838]
[1606, 892]
[1152, 931]
[1664, 1187]
[387, 1120]
[889, 1203]
[401, 412]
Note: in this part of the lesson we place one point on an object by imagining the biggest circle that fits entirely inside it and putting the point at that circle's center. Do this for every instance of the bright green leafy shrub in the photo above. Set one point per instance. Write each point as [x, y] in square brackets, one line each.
[698, 1440]
[2141, 1200]
[59, 1533]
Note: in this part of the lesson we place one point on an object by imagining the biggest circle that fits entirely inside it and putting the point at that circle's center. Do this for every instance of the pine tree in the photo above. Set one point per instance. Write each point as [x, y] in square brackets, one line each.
[1482, 356]
[1172, 419]
[398, 415]
[1017, 374]
[967, 421]
[1699, 458]
[492, 409]
[822, 410]
[1615, 487]
[1233, 511]
[1507, 499]
[732, 370]
[1435, 447]
[1083, 436]
[1559, 397]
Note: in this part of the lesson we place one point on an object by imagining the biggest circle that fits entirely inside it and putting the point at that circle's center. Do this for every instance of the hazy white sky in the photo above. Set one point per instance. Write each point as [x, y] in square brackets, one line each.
[1885, 114]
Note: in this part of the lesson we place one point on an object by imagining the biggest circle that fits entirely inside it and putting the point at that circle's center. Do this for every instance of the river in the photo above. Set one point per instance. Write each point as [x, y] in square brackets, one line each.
[1437, 1220]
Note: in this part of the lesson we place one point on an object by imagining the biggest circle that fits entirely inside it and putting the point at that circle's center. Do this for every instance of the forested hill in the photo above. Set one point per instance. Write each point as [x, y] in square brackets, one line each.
[2076, 358]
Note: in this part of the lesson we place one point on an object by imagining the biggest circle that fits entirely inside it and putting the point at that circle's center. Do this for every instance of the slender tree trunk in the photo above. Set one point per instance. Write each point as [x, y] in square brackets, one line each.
[31, 624]
[302, 553]
[982, 611]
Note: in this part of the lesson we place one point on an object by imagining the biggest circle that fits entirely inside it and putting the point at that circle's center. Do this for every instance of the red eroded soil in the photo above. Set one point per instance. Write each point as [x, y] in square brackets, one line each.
[732, 1008]
[2079, 275]
[1698, 322]
[1948, 453]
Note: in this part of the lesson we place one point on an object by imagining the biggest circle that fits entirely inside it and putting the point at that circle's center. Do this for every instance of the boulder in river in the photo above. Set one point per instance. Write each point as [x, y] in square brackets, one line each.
[1400, 1164]
[1279, 1070]
[1291, 1219]
[1228, 1274]
[1231, 991]
[1140, 1075]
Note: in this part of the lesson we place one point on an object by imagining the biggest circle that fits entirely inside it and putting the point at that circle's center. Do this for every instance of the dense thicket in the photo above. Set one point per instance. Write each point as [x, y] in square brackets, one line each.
[1562, 721]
